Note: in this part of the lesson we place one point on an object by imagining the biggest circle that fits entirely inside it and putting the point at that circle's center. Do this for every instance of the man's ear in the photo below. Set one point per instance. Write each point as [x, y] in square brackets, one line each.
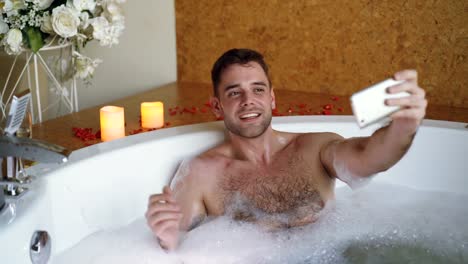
[273, 99]
[216, 107]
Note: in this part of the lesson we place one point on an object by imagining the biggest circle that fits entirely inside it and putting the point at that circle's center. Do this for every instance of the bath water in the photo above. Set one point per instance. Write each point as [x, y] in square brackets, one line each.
[379, 223]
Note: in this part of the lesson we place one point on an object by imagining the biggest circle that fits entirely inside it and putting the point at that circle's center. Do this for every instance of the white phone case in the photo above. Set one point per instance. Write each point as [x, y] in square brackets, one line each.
[369, 104]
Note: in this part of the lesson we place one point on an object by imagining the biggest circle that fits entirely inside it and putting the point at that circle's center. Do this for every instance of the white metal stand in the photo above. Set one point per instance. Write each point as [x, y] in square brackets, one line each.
[67, 95]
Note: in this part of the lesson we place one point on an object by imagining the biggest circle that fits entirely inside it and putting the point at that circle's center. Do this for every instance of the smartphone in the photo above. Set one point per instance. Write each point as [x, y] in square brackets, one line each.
[368, 105]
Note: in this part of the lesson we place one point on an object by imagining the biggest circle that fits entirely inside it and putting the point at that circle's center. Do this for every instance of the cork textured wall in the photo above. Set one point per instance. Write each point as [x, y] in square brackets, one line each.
[334, 47]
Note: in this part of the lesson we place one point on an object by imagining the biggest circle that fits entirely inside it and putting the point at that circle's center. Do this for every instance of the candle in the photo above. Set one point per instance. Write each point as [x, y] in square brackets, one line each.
[112, 123]
[152, 114]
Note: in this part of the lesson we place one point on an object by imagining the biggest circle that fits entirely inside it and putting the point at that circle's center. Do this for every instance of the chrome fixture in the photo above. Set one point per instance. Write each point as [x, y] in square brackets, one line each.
[40, 247]
[13, 180]
[16, 144]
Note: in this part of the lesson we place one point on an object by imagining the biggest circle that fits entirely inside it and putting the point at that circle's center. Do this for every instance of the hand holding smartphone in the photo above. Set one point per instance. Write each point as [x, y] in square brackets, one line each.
[369, 104]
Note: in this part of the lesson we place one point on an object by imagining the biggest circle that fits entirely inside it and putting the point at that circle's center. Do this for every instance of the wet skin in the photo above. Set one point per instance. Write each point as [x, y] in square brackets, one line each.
[289, 191]
[274, 178]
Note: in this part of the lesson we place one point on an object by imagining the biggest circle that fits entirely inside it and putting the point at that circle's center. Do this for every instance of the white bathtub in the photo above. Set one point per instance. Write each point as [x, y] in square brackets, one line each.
[107, 185]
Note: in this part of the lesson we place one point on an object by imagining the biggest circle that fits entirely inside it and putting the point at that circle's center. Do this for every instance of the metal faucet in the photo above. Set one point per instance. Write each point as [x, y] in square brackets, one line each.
[14, 148]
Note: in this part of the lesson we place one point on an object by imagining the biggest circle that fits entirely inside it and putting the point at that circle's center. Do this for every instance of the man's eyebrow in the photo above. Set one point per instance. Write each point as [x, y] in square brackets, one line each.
[232, 86]
[260, 83]
[236, 85]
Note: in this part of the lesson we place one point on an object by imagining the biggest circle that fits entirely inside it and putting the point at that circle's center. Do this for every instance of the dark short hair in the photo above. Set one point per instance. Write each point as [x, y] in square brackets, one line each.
[236, 56]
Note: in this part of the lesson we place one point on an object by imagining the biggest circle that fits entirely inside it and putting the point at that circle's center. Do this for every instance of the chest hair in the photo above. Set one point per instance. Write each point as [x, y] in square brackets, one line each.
[287, 187]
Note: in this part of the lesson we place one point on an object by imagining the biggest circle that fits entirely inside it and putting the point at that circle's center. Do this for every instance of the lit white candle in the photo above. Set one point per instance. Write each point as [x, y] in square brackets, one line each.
[112, 122]
[152, 114]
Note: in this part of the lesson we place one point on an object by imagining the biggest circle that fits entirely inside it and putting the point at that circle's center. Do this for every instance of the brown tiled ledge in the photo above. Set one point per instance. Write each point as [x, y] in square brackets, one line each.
[196, 95]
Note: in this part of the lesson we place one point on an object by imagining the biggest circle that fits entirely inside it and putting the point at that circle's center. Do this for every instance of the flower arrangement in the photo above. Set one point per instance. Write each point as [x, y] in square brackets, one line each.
[33, 24]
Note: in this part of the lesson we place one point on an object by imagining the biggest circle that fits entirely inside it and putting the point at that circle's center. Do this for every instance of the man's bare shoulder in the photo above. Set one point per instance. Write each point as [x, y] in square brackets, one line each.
[318, 138]
[203, 168]
[212, 160]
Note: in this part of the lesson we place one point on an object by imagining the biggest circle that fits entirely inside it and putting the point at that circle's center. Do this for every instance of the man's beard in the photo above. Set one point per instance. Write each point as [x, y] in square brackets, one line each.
[251, 131]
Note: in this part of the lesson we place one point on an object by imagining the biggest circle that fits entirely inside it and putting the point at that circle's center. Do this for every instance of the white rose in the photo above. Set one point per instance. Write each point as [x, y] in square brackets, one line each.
[113, 12]
[43, 4]
[107, 34]
[65, 21]
[12, 41]
[3, 26]
[81, 5]
[12, 6]
[84, 66]
[46, 26]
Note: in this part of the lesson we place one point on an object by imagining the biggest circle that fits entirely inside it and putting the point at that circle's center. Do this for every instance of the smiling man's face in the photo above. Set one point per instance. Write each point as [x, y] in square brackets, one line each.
[245, 100]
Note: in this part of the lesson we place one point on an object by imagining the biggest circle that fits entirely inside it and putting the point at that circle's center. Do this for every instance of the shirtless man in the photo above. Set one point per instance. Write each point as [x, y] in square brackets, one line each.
[274, 173]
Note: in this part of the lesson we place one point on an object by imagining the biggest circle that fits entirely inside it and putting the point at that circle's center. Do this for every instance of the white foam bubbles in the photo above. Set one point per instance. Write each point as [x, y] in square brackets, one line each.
[130, 244]
[376, 222]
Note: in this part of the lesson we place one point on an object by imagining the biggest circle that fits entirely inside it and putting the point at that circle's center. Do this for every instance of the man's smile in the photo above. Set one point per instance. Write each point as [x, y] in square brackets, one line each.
[249, 116]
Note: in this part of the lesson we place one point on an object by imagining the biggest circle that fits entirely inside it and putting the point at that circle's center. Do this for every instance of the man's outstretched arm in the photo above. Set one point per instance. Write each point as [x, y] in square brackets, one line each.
[365, 156]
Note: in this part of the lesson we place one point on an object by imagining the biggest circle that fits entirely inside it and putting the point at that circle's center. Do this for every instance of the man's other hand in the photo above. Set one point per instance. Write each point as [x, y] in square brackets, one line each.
[163, 217]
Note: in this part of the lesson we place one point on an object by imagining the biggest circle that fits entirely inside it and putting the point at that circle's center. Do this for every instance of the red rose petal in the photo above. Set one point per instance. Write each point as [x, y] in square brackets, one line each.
[86, 134]
[328, 107]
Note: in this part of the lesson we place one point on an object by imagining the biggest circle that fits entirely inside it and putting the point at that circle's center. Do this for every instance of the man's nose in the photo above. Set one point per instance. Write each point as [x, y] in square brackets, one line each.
[247, 99]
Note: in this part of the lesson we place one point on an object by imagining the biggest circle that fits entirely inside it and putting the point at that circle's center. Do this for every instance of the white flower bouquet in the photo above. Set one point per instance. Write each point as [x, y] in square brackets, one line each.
[33, 24]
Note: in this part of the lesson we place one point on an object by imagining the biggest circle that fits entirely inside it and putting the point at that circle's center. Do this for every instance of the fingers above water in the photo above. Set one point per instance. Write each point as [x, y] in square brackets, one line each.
[160, 228]
[409, 87]
[409, 101]
[158, 207]
[408, 75]
[155, 219]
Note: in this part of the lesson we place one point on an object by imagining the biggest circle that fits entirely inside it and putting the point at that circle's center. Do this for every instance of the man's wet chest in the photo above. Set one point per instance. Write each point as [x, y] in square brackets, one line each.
[289, 184]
